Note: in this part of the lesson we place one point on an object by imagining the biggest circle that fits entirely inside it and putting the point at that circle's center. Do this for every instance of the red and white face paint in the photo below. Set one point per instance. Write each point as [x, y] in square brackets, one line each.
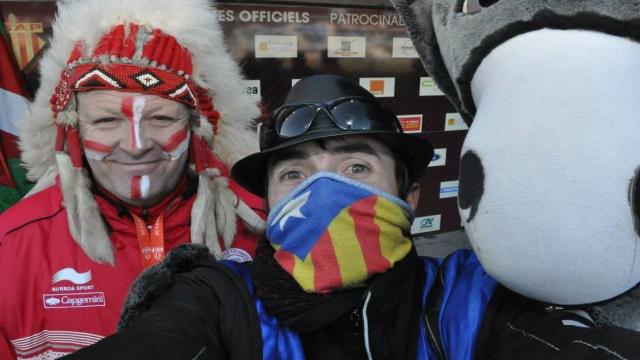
[96, 151]
[136, 145]
[140, 187]
[132, 108]
[178, 144]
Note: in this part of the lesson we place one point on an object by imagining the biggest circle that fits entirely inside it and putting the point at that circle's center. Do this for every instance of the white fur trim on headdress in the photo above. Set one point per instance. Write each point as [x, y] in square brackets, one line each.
[85, 221]
[203, 225]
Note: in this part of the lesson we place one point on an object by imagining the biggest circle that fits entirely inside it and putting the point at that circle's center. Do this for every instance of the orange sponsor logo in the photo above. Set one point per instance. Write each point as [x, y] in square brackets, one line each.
[376, 87]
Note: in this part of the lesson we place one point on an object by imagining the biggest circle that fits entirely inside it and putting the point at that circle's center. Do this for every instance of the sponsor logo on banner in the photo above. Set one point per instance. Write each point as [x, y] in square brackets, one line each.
[411, 124]
[346, 46]
[276, 46]
[425, 224]
[454, 122]
[448, 189]
[73, 300]
[439, 158]
[252, 89]
[403, 48]
[379, 87]
[428, 87]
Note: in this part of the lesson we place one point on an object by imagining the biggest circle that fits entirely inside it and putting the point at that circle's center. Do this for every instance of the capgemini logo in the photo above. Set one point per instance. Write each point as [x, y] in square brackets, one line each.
[70, 274]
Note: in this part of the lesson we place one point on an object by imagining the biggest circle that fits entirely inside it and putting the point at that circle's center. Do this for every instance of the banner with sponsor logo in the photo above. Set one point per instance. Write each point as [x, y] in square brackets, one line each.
[277, 45]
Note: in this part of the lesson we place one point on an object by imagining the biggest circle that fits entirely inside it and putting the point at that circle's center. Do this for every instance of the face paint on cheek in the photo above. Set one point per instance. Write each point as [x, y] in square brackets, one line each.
[140, 186]
[132, 108]
[178, 143]
[96, 151]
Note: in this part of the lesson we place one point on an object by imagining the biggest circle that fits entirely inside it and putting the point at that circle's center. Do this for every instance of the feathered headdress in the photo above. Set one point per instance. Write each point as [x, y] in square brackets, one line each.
[168, 48]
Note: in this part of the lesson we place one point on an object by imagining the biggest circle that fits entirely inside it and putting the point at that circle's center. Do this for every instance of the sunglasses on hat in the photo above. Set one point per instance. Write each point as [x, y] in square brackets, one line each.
[346, 113]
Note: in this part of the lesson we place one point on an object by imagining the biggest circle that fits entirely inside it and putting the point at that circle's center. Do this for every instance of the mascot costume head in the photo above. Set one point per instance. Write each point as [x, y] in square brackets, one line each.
[550, 168]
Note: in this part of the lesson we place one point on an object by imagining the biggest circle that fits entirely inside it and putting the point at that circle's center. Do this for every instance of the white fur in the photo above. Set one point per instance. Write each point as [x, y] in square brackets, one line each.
[203, 222]
[85, 223]
[250, 218]
[225, 214]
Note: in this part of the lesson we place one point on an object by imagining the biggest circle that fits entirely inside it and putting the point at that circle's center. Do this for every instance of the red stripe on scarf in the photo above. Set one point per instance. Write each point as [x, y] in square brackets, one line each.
[367, 231]
[286, 260]
[325, 261]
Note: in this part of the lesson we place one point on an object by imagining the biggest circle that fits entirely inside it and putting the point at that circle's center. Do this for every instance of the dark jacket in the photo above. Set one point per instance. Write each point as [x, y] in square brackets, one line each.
[218, 320]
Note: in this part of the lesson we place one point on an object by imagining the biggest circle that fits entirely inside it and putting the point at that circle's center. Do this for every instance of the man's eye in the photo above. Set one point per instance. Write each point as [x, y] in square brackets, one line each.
[163, 118]
[162, 121]
[357, 168]
[292, 175]
[105, 121]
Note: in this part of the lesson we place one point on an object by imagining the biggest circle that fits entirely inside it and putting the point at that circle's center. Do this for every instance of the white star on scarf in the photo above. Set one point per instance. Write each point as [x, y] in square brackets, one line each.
[292, 210]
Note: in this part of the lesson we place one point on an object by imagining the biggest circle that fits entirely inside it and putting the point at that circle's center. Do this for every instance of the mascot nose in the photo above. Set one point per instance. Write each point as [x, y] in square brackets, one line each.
[634, 199]
[471, 183]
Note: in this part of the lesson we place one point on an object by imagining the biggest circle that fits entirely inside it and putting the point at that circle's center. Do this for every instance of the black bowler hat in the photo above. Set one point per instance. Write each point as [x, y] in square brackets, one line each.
[326, 106]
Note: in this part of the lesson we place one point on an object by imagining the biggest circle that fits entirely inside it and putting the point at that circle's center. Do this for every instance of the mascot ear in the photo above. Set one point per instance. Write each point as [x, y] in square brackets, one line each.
[419, 16]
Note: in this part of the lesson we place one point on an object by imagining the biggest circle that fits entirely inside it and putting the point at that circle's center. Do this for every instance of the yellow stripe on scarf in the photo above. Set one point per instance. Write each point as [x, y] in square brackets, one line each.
[304, 273]
[347, 248]
[391, 221]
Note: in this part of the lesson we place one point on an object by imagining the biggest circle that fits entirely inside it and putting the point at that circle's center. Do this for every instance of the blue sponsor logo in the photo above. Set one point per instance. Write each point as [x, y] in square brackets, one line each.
[448, 190]
[426, 223]
[435, 157]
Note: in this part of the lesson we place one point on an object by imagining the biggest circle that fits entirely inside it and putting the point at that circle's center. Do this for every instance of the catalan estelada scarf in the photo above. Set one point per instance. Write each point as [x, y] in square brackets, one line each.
[332, 232]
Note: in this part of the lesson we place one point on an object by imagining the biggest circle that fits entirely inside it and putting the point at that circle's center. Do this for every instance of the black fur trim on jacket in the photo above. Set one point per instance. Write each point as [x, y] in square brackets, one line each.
[154, 281]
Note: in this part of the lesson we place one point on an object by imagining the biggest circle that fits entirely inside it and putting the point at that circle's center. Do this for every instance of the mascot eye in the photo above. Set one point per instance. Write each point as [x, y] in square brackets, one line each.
[474, 6]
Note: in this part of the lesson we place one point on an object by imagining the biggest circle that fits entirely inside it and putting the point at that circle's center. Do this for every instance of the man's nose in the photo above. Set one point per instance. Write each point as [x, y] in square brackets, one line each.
[133, 109]
[135, 139]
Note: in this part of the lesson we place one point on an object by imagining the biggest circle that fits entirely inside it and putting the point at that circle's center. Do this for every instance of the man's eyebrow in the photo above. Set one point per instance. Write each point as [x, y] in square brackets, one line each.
[355, 148]
[101, 112]
[289, 154]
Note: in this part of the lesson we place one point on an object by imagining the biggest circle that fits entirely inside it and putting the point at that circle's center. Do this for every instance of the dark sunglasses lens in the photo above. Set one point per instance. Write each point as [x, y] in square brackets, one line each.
[352, 115]
[296, 121]
[363, 115]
